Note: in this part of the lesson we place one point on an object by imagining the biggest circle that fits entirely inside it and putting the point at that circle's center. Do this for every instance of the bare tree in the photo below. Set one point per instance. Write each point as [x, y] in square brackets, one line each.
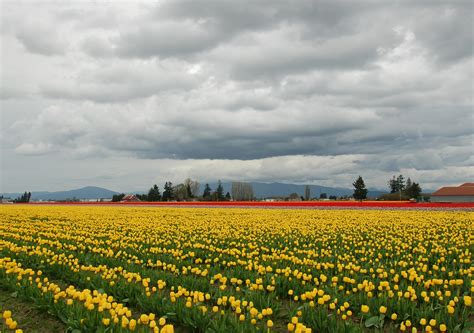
[236, 190]
[180, 192]
[192, 187]
[242, 191]
[307, 193]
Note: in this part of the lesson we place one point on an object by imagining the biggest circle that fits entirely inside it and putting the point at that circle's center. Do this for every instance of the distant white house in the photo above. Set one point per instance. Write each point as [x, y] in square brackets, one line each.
[462, 193]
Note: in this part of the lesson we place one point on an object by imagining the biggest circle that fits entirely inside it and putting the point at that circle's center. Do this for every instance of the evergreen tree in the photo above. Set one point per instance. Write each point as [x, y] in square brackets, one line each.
[408, 183]
[24, 198]
[401, 182]
[227, 196]
[207, 192]
[219, 191]
[360, 191]
[392, 184]
[413, 191]
[168, 192]
[142, 197]
[397, 184]
[154, 194]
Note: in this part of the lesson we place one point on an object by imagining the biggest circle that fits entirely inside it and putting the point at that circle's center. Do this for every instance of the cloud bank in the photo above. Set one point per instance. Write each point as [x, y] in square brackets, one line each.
[123, 95]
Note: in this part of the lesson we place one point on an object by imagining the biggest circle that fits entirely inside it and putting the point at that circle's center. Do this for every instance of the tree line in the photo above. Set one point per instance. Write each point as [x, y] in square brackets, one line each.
[399, 189]
[189, 190]
[406, 188]
[24, 198]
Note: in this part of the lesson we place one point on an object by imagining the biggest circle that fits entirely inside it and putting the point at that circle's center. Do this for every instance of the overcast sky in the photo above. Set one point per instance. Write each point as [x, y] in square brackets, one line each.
[124, 95]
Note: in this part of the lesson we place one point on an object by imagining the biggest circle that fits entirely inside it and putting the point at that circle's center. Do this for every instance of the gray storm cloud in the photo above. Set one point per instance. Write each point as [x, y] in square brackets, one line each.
[252, 90]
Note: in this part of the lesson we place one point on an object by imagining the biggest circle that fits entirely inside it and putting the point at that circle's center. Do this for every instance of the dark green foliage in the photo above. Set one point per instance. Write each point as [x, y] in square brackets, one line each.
[406, 190]
[168, 192]
[220, 192]
[207, 192]
[154, 194]
[142, 197]
[396, 184]
[24, 198]
[118, 197]
[360, 191]
[413, 191]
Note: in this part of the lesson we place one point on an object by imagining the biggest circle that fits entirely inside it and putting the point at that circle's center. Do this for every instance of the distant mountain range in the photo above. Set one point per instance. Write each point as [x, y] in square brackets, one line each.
[261, 190]
[88, 192]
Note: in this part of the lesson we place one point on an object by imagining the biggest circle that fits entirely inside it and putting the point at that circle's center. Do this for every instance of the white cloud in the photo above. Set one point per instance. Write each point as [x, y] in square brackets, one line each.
[39, 148]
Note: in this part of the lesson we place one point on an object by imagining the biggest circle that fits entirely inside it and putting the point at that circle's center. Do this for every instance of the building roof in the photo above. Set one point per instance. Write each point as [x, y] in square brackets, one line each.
[463, 190]
[130, 197]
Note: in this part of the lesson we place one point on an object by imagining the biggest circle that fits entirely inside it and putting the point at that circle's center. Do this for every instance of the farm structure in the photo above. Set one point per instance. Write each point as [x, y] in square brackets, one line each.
[462, 193]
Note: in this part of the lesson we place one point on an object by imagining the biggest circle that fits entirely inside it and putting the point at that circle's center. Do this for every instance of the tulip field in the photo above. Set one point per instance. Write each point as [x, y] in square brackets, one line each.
[169, 269]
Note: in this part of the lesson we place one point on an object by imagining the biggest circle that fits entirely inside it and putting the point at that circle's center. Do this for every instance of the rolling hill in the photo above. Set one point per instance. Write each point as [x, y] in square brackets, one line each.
[88, 192]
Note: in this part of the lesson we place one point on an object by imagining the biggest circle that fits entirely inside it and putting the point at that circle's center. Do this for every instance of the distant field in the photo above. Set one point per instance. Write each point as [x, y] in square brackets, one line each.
[121, 269]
